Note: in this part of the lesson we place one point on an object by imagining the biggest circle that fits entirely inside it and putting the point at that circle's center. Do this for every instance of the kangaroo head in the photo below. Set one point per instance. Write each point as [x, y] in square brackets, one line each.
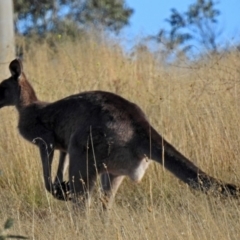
[9, 88]
[16, 90]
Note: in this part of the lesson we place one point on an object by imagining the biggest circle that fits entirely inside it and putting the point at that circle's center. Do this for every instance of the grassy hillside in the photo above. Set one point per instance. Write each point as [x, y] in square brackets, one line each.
[194, 106]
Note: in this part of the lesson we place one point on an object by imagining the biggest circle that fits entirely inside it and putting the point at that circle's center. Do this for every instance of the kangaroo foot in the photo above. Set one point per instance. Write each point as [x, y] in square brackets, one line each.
[62, 191]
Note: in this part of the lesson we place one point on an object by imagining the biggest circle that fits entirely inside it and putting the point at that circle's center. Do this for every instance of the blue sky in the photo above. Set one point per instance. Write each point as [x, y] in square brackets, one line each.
[149, 16]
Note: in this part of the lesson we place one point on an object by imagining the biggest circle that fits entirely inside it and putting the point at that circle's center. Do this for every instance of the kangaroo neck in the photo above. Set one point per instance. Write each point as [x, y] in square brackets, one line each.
[27, 95]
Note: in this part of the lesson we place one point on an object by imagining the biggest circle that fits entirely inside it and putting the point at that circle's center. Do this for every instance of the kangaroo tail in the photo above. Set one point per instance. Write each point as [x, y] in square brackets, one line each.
[165, 154]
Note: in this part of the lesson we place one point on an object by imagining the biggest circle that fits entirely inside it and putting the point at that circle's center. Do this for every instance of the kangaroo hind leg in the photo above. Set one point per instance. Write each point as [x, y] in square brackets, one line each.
[82, 175]
[62, 188]
[110, 184]
[62, 165]
[88, 150]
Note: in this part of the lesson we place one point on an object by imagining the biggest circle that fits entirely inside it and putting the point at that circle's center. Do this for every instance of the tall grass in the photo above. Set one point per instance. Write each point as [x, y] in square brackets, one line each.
[194, 106]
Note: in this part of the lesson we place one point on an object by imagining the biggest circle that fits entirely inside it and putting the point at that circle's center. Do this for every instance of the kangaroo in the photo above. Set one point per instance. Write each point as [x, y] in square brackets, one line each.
[103, 134]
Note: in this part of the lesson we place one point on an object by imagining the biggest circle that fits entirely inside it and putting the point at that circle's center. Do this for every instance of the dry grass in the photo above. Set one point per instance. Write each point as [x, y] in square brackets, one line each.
[195, 107]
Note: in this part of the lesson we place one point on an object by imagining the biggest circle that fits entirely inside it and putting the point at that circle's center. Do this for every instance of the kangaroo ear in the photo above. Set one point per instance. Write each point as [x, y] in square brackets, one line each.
[16, 68]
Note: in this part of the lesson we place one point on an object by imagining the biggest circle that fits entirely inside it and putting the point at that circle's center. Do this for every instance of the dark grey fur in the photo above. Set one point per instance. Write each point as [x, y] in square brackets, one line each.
[103, 133]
